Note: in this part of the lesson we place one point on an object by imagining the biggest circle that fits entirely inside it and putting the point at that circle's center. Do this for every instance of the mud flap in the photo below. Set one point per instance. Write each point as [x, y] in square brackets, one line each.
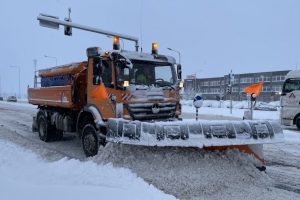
[194, 133]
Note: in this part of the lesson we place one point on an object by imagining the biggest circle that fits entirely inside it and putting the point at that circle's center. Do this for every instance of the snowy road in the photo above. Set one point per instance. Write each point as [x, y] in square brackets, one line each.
[183, 173]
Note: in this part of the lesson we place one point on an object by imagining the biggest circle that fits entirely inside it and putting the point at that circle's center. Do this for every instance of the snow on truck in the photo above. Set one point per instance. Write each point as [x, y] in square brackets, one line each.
[290, 100]
[132, 98]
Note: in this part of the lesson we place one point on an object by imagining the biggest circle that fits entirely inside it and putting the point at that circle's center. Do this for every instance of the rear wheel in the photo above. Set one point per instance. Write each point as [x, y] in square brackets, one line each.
[90, 140]
[43, 129]
[298, 122]
[59, 134]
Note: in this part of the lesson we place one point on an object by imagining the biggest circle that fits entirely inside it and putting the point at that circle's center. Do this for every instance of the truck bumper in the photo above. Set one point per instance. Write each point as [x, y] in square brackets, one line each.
[287, 122]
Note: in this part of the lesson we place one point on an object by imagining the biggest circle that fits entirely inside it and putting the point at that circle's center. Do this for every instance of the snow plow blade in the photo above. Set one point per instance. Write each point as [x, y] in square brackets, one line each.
[194, 133]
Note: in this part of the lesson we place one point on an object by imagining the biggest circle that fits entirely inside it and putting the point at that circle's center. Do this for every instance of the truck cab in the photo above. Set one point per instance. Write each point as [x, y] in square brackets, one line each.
[290, 100]
[140, 86]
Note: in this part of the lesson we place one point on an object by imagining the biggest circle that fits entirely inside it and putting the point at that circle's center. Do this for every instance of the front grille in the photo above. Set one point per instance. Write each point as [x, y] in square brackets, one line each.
[144, 111]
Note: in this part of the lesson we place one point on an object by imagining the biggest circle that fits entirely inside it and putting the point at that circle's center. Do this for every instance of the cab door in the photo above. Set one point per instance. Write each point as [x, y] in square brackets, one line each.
[97, 94]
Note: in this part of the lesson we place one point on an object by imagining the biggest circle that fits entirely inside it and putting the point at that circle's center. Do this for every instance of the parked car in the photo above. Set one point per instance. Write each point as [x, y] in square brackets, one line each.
[265, 106]
[1, 98]
[12, 99]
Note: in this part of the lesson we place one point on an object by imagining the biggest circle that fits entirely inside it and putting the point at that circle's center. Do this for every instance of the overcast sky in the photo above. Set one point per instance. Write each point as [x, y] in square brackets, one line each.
[213, 36]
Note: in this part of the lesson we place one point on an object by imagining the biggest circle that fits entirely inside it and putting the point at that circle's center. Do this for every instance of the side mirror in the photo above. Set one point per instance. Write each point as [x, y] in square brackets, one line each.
[179, 72]
[97, 71]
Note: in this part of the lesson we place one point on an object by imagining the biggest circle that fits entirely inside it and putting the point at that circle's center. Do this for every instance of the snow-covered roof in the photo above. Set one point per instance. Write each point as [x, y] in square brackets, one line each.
[293, 74]
[133, 55]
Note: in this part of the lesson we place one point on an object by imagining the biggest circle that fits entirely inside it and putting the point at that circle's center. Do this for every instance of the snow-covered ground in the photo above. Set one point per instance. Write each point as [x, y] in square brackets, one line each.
[218, 108]
[24, 175]
[60, 170]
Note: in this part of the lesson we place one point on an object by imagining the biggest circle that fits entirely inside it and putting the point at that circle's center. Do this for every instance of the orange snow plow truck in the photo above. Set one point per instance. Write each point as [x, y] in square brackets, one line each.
[132, 98]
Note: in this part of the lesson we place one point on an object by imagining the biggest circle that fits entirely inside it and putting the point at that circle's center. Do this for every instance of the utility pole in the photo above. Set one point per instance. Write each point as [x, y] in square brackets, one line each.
[52, 57]
[179, 54]
[195, 85]
[35, 77]
[231, 81]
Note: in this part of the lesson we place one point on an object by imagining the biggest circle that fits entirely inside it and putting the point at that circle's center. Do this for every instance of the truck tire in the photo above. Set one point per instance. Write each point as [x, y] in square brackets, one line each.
[90, 140]
[298, 122]
[44, 129]
[59, 134]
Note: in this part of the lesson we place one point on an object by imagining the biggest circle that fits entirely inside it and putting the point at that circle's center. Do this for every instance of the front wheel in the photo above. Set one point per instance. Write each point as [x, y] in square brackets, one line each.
[90, 140]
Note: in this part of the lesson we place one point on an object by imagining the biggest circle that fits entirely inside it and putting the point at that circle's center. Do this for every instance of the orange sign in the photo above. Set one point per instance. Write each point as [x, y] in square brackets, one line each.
[254, 89]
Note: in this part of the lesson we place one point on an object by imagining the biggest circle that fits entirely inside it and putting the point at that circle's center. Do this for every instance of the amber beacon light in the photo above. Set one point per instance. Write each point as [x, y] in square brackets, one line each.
[116, 45]
[154, 48]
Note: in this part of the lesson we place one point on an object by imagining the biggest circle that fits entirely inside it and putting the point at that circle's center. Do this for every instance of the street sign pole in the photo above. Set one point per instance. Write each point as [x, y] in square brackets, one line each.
[230, 99]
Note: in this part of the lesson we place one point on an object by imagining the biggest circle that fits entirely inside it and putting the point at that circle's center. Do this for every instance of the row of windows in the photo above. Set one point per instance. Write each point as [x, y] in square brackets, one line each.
[275, 88]
[278, 78]
[212, 83]
[212, 90]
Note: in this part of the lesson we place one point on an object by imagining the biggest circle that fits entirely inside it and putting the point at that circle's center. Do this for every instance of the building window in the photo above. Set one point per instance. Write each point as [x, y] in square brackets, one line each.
[267, 79]
[278, 78]
[206, 83]
[260, 79]
[215, 83]
[266, 89]
[235, 89]
[243, 80]
[236, 81]
[277, 88]
[214, 90]
[246, 80]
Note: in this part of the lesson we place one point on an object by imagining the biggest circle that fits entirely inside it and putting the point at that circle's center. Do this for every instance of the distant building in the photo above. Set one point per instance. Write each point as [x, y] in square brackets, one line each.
[215, 88]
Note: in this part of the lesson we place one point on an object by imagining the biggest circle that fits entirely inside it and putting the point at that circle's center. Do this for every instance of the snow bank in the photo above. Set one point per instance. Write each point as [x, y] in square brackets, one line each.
[222, 108]
[25, 176]
[237, 113]
[191, 173]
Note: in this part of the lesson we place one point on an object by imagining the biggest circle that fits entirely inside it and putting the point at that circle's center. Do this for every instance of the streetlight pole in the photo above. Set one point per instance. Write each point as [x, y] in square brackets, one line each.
[46, 56]
[176, 52]
[35, 77]
[18, 67]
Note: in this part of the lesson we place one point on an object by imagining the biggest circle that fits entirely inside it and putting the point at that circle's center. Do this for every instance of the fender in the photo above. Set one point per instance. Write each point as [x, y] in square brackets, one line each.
[94, 112]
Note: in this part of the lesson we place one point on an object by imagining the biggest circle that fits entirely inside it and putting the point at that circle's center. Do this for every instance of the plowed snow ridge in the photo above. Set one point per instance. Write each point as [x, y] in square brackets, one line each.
[190, 173]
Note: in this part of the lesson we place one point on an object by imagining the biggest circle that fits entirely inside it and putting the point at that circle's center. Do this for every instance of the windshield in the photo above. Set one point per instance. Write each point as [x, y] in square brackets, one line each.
[291, 85]
[149, 73]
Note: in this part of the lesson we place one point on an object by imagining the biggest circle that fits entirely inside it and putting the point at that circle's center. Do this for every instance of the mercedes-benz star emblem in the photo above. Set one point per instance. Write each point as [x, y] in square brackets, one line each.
[155, 108]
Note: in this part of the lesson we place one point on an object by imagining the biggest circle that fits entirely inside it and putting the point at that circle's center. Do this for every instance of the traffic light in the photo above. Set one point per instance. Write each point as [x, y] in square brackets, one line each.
[68, 29]
[228, 89]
